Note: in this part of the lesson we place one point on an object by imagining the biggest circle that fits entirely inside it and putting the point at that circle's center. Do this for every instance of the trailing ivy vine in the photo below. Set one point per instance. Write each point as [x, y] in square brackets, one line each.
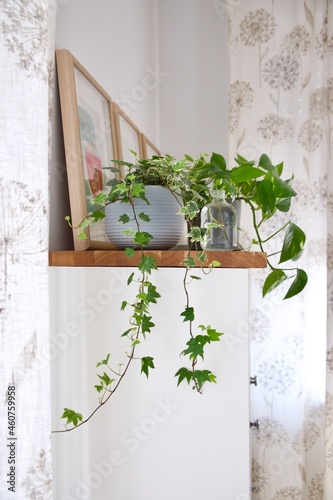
[191, 182]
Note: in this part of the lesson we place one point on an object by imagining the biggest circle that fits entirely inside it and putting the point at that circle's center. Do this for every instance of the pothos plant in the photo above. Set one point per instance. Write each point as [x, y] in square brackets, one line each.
[258, 185]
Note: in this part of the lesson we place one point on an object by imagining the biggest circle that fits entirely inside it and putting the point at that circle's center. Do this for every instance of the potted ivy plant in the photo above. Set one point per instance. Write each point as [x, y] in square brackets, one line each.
[190, 181]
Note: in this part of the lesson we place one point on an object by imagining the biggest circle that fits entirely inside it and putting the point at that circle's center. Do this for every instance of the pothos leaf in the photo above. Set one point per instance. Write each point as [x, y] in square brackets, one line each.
[273, 280]
[293, 243]
[298, 284]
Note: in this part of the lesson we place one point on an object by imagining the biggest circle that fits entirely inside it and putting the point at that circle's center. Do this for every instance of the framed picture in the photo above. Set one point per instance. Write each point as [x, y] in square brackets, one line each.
[148, 148]
[90, 143]
[128, 136]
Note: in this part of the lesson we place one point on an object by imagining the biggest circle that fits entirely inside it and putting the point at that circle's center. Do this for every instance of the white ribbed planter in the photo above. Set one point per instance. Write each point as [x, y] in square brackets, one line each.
[166, 225]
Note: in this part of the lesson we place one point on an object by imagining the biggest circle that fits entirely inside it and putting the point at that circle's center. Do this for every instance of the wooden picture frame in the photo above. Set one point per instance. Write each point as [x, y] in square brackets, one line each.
[90, 143]
[148, 148]
[128, 137]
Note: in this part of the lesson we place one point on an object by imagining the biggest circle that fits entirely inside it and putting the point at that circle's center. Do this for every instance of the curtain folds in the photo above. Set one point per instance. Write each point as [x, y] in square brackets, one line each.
[281, 104]
[26, 51]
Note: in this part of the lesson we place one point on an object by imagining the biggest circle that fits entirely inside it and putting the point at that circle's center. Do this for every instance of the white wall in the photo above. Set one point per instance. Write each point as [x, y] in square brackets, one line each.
[116, 41]
[193, 50]
[164, 62]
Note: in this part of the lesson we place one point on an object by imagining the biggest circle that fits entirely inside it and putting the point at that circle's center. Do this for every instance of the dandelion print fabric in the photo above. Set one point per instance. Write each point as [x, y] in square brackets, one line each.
[27, 58]
[281, 104]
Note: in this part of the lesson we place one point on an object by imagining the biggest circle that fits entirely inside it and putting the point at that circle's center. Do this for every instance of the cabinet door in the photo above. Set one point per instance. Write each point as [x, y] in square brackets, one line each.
[152, 440]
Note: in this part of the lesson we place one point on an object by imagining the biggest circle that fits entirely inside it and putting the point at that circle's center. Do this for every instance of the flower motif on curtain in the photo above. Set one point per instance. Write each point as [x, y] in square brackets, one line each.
[38, 481]
[240, 96]
[26, 34]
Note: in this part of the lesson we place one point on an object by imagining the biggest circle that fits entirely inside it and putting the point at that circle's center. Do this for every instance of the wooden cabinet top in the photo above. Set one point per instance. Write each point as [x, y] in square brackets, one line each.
[164, 258]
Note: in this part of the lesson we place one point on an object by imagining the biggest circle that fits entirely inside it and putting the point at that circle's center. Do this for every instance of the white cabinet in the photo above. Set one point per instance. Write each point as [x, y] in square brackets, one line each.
[152, 440]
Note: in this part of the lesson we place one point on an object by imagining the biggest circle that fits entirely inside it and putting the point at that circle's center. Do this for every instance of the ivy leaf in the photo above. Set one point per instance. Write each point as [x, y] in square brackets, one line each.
[195, 277]
[105, 378]
[146, 363]
[297, 285]
[124, 219]
[184, 374]
[213, 335]
[273, 280]
[104, 361]
[123, 305]
[138, 189]
[202, 256]
[152, 294]
[144, 217]
[129, 252]
[131, 276]
[293, 243]
[142, 238]
[147, 264]
[99, 388]
[202, 376]
[196, 346]
[188, 262]
[188, 314]
[146, 324]
[72, 417]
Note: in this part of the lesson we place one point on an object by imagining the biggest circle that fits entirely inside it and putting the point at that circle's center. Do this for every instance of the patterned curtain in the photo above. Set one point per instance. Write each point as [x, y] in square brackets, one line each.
[281, 104]
[26, 52]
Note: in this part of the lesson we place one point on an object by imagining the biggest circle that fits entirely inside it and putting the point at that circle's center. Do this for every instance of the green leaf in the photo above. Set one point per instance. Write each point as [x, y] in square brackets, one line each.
[147, 264]
[189, 262]
[218, 161]
[188, 314]
[85, 223]
[144, 217]
[142, 238]
[195, 346]
[146, 324]
[104, 361]
[138, 190]
[273, 280]
[72, 417]
[297, 285]
[282, 188]
[213, 335]
[99, 388]
[293, 243]
[146, 363]
[246, 173]
[130, 330]
[184, 374]
[105, 378]
[152, 294]
[129, 252]
[265, 162]
[197, 233]
[202, 376]
[195, 277]
[266, 195]
[284, 204]
[123, 305]
[124, 219]
[202, 256]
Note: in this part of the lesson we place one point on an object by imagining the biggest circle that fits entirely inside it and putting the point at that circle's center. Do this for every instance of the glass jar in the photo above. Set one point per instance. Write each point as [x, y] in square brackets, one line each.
[219, 211]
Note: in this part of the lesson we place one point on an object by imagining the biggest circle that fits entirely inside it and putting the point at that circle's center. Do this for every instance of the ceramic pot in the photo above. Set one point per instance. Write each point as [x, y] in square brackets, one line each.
[166, 225]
